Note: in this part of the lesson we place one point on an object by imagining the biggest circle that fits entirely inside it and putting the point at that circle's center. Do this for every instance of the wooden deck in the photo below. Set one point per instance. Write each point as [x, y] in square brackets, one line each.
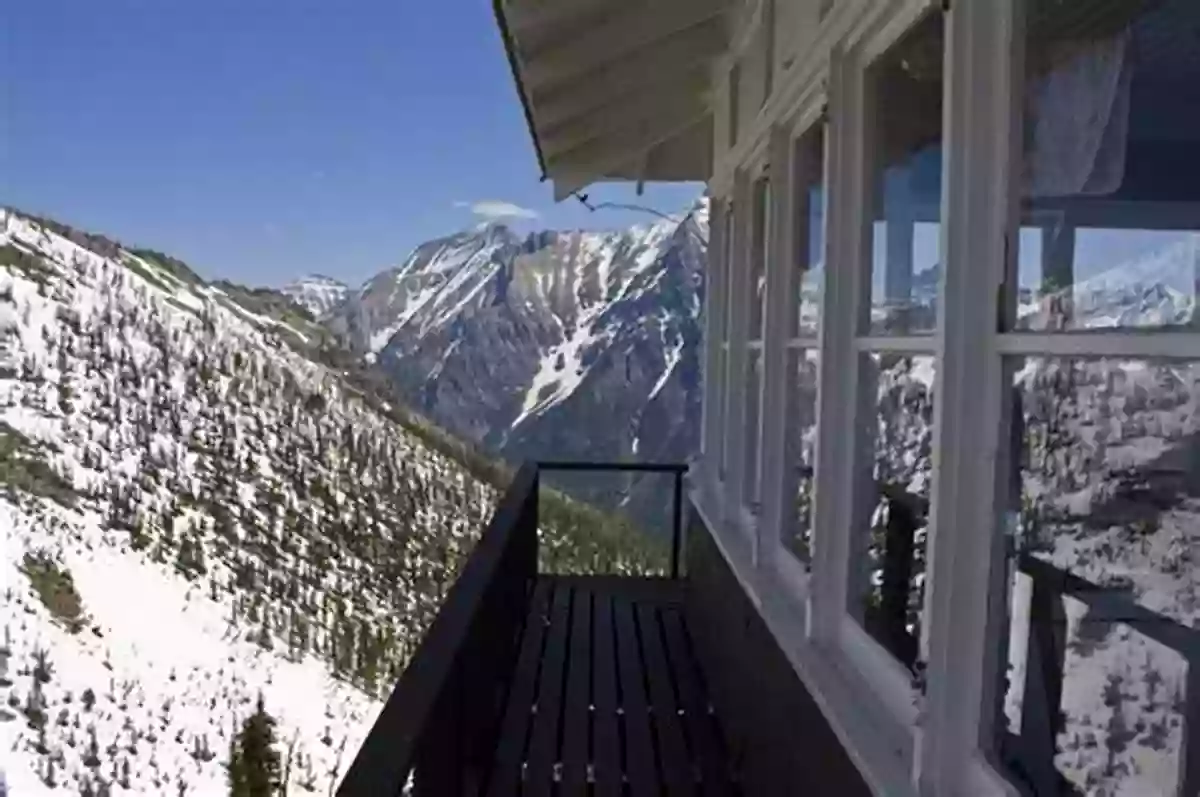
[532, 683]
[607, 697]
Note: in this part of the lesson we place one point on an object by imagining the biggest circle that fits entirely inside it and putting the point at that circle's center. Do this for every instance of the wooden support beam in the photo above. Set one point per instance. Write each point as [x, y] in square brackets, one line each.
[648, 106]
[534, 16]
[673, 58]
[624, 32]
[581, 166]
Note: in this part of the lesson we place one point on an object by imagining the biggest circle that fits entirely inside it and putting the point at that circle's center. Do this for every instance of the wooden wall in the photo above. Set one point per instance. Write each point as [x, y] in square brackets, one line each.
[777, 737]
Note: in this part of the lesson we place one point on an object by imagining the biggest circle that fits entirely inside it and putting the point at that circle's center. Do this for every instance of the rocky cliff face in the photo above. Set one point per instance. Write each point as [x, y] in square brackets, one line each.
[317, 293]
[557, 345]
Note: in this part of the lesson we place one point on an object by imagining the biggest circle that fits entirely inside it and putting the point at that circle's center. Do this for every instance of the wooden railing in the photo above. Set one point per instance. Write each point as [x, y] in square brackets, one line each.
[888, 621]
[437, 731]
[676, 469]
[1031, 752]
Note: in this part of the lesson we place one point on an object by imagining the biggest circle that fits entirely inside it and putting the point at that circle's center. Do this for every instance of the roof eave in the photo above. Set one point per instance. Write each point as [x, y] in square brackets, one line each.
[514, 66]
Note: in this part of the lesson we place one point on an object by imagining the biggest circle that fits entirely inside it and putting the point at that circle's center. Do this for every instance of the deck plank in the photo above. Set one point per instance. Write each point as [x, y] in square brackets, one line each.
[606, 699]
[510, 752]
[544, 742]
[606, 745]
[700, 725]
[577, 701]
[639, 750]
[677, 777]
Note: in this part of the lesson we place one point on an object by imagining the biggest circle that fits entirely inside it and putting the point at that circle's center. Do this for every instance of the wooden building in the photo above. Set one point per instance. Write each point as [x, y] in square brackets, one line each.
[940, 535]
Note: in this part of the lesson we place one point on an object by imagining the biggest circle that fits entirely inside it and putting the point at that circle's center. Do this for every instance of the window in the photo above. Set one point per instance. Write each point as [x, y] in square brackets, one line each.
[752, 382]
[768, 34]
[906, 145]
[725, 298]
[895, 369]
[1103, 411]
[804, 316]
[758, 260]
[1109, 191]
[717, 332]
[809, 240]
[735, 90]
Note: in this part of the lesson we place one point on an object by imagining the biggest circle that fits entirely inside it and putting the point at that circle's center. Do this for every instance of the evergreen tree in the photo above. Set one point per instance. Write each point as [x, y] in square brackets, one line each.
[254, 767]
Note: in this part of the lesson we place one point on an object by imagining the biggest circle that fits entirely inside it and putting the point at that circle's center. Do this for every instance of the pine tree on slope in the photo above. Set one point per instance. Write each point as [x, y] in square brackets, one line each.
[254, 767]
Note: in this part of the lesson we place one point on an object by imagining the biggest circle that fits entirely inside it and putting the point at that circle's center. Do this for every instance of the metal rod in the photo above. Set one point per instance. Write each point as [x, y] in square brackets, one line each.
[677, 530]
[612, 467]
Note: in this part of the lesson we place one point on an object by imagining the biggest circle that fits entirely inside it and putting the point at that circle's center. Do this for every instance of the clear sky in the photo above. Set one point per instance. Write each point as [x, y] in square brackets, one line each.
[260, 140]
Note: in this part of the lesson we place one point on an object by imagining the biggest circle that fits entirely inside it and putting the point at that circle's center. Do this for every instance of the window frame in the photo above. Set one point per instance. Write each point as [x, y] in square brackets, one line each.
[716, 337]
[737, 346]
[790, 170]
[908, 740]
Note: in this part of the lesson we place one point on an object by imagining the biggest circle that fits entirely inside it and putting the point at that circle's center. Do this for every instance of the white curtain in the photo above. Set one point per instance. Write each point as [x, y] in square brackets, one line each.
[1078, 117]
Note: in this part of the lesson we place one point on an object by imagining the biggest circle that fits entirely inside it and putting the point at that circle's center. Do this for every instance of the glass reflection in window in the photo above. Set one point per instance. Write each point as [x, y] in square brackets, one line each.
[893, 551]
[800, 452]
[907, 147]
[1111, 170]
[809, 219]
[1106, 488]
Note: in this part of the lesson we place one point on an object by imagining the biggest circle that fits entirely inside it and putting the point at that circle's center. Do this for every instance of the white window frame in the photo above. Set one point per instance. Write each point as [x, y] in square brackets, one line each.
[782, 340]
[843, 497]
[939, 743]
[968, 601]
[738, 345]
[714, 339]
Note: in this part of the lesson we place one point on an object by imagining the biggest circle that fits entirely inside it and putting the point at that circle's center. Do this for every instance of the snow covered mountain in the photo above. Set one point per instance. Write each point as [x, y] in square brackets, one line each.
[317, 293]
[558, 344]
[196, 510]
[1157, 289]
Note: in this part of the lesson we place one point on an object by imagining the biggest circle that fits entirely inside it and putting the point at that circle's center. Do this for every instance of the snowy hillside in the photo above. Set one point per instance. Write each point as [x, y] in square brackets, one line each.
[567, 344]
[193, 512]
[1109, 493]
[317, 293]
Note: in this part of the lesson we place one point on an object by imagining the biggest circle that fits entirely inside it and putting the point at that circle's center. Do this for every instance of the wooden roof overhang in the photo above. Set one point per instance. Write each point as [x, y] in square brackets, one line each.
[616, 89]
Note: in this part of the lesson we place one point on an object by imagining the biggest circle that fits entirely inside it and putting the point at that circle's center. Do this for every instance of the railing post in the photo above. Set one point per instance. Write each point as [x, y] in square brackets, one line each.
[1189, 776]
[677, 525]
[898, 550]
[1041, 706]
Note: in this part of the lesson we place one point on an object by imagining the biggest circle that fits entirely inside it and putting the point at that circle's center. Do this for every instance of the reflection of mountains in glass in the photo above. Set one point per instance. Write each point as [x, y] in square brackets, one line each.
[1106, 486]
[1155, 290]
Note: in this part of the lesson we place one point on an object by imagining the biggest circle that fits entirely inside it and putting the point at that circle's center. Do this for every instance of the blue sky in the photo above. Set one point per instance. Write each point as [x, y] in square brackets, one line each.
[264, 139]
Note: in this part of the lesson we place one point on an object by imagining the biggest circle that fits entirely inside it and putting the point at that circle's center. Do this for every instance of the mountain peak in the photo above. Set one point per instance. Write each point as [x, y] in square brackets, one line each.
[317, 293]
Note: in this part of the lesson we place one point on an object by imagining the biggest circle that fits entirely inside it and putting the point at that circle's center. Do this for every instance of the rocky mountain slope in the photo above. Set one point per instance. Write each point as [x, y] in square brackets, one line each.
[196, 509]
[317, 293]
[564, 345]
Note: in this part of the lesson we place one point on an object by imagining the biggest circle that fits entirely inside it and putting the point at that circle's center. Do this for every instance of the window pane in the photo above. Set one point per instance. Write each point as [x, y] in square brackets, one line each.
[768, 33]
[907, 186]
[1111, 171]
[730, 272]
[724, 411]
[722, 403]
[810, 229]
[892, 558]
[1106, 487]
[800, 453]
[752, 431]
[735, 91]
[758, 259]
